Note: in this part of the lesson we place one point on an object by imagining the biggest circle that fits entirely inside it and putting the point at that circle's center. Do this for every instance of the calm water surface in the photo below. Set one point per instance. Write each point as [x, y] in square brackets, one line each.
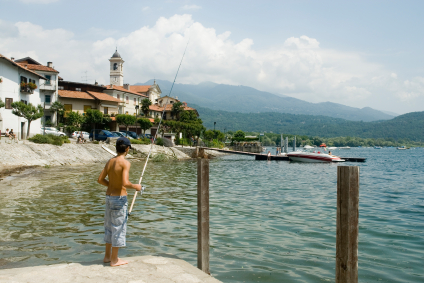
[270, 221]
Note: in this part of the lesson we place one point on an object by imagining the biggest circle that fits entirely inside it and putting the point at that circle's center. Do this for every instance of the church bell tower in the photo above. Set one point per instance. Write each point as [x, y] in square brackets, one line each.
[116, 69]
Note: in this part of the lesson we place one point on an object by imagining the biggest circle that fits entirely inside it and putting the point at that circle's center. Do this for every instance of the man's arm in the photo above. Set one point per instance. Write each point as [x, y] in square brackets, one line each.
[126, 177]
[102, 177]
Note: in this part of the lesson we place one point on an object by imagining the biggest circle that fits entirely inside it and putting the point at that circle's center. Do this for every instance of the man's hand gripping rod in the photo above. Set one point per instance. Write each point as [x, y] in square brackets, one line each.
[157, 131]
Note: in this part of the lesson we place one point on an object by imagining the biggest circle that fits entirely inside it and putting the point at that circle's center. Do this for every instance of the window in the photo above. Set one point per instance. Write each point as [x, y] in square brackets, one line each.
[24, 79]
[24, 101]
[47, 99]
[49, 78]
[78, 89]
[128, 100]
[105, 110]
[9, 102]
[68, 108]
[135, 102]
[60, 87]
[115, 66]
[86, 107]
[118, 96]
[47, 118]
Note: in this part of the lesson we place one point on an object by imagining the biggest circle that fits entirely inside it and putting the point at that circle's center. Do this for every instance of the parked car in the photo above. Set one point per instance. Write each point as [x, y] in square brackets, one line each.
[51, 131]
[101, 135]
[149, 136]
[130, 134]
[119, 134]
[76, 134]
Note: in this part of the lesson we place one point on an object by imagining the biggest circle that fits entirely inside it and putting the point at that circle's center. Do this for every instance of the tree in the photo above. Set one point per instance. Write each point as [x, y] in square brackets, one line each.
[93, 117]
[29, 112]
[145, 124]
[145, 106]
[58, 108]
[74, 122]
[239, 135]
[209, 134]
[1, 103]
[125, 119]
[177, 108]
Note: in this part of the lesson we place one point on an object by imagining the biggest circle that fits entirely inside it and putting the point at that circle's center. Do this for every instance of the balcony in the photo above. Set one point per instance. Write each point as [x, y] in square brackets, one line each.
[27, 89]
[48, 86]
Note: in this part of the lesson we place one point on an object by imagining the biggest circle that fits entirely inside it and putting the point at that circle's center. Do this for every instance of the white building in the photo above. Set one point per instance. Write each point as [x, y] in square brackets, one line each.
[48, 88]
[11, 75]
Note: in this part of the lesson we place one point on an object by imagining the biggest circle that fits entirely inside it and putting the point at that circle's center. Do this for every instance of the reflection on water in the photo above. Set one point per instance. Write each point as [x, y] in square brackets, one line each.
[270, 221]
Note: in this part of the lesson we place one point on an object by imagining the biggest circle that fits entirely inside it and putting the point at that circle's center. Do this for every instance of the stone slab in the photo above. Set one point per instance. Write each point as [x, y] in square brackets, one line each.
[140, 269]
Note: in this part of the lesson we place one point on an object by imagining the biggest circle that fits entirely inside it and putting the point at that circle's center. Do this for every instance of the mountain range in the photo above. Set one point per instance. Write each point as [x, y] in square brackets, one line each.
[408, 125]
[245, 99]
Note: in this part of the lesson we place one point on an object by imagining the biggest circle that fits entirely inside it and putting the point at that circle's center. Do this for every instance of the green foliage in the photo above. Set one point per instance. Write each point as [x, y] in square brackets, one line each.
[1, 103]
[75, 119]
[145, 106]
[159, 141]
[140, 141]
[239, 136]
[214, 143]
[145, 124]
[29, 112]
[48, 123]
[208, 135]
[49, 139]
[157, 120]
[59, 109]
[177, 108]
[160, 157]
[125, 119]
[96, 142]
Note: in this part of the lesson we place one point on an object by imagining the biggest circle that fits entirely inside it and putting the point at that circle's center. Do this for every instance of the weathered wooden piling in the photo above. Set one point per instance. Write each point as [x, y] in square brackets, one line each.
[347, 224]
[203, 214]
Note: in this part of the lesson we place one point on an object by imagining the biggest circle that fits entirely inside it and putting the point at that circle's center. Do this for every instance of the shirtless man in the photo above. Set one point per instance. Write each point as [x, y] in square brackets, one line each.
[116, 212]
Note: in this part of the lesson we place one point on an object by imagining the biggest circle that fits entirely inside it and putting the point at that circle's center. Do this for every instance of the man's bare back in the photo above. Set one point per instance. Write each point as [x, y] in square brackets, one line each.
[117, 170]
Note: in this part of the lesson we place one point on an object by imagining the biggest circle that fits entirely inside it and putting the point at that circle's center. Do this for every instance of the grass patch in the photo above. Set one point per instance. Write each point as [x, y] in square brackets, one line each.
[96, 142]
[49, 139]
[160, 157]
[140, 141]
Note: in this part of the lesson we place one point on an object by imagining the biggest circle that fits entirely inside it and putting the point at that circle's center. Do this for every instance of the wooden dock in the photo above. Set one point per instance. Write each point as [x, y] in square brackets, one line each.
[260, 156]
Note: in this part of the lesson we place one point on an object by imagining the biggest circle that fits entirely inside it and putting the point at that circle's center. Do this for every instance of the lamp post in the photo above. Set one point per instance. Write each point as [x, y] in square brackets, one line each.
[214, 123]
[136, 114]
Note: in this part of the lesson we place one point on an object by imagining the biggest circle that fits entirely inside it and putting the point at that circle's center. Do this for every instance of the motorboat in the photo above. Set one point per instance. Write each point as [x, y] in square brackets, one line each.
[332, 147]
[377, 147]
[402, 148]
[308, 147]
[313, 157]
[344, 147]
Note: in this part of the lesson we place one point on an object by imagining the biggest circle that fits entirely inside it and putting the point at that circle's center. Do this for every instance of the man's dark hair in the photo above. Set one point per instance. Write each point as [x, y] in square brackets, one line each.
[121, 148]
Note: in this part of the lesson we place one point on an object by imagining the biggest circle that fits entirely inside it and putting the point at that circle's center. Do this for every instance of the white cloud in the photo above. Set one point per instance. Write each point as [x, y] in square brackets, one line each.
[191, 7]
[299, 67]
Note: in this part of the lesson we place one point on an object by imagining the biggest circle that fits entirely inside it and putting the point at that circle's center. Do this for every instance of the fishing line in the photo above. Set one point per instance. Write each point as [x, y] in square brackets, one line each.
[157, 131]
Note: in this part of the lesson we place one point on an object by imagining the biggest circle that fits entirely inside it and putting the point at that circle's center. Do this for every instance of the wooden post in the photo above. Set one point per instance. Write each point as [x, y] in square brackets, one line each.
[203, 215]
[347, 224]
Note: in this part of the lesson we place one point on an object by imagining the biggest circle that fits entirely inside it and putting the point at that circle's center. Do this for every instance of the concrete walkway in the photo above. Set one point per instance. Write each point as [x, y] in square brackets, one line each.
[141, 269]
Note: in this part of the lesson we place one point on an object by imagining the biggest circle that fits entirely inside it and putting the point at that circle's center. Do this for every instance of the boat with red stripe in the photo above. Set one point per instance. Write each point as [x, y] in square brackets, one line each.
[318, 157]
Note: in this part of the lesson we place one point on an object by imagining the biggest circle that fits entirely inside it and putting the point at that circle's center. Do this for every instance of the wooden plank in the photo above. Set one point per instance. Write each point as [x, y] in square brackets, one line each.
[203, 215]
[347, 224]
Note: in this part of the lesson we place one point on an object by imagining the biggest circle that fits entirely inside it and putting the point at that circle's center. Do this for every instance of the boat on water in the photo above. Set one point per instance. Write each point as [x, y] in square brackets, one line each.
[402, 148]
[308, 147]
[313, 157]
[344, 147]
[377, 147]
[332, 147]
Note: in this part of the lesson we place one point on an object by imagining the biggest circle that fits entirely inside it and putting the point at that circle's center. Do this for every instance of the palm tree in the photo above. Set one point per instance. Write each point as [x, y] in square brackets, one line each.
[58, 108]
[145, 106]
[177, 108]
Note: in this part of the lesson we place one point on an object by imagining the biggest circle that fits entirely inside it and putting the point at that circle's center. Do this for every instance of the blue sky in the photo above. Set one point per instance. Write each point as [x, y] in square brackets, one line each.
[358, 53]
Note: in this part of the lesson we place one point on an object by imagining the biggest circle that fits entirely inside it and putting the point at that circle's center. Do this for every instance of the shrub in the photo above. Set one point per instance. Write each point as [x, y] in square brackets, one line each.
[160, 157]
[50, 139]
[159, 141]
[140, 141]
[96, 142]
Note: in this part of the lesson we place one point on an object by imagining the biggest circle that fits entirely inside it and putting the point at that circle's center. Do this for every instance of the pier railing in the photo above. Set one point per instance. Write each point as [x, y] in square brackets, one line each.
[347, 221]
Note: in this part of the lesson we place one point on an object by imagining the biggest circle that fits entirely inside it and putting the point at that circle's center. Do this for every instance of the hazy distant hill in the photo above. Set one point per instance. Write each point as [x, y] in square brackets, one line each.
[409, 125]
[249, 100]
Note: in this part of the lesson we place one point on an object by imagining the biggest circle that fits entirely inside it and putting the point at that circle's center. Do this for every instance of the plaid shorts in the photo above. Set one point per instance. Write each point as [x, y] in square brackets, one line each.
[116, 217]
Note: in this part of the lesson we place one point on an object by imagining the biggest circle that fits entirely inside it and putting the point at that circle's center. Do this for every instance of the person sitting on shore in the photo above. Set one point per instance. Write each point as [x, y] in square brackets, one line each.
[12, 135]
[80, 138]
[269, 156]
[117, 169]
[6, 134]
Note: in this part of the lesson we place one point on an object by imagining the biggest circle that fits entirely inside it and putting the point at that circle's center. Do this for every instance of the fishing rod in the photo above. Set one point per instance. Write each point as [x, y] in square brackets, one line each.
[154, 139]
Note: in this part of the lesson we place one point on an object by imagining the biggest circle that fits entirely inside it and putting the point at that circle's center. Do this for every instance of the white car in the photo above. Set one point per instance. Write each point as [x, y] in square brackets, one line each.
[52, 131]
[76, 134]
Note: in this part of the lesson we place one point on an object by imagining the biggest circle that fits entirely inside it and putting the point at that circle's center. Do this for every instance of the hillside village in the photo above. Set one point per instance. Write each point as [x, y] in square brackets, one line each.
[29, 81]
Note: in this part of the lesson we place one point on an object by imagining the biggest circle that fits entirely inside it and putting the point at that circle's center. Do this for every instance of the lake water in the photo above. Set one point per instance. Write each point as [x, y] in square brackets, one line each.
[270, 221]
